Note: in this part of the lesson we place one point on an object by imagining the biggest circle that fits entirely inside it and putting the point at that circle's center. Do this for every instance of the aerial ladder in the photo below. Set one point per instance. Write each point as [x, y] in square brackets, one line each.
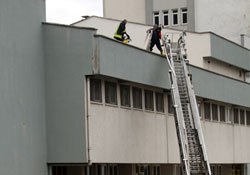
[193, 155]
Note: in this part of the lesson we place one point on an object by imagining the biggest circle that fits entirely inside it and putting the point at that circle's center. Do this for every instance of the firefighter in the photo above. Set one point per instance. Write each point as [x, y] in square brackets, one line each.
[121, 33]
[156, 36]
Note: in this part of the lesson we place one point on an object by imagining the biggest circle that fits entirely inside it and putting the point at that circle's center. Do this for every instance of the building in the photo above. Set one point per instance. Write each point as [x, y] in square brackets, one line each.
[75, 102]
[192, 15]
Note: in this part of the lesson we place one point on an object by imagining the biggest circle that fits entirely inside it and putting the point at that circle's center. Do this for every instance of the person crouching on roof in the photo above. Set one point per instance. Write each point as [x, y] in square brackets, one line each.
[120, 32]
[156, 36]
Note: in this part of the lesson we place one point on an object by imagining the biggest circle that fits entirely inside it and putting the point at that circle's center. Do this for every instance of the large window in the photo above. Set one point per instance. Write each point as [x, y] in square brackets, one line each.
[215, 112]
[137, 98]
[165, 18]
[236, 116]
[159, 98]
[184, 16]
[125, 95]
[248, 117]
[149, 100]
[222, 114]
[207, 111]
[175, 16]
[156, 18]
[110, 93]
[242, 117]
[95, 90]
[59, 170]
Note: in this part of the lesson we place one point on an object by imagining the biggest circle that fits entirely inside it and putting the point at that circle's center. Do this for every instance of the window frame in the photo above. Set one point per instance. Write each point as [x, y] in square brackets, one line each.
[108, 92]
[93, 93]
[160, 107]
[166, 14]
[240, 117]
[175, 12]
[215, 116]
[170, 105]
[221, 110]
[140, 106]
[121, 96]
[148, 95]
[248, 118]
[209, 111]
[236, 117]
[156, 15]
[184, 11]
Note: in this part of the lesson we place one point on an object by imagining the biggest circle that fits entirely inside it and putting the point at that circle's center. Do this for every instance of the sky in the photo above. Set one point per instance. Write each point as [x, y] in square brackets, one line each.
[70, 11]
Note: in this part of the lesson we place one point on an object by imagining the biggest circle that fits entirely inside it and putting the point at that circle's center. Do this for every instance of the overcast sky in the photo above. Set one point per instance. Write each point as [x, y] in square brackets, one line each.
[69, 11]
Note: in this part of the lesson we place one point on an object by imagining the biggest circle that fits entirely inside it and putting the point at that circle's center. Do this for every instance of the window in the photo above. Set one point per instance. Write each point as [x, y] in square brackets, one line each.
[142, 169]
[159, 99]
[95, 90]
[207, 112]
[175, 17]
[125, 95]
[222, 114]
[170, 105]
[149, 100]
[184, 16]
[242, 117]
[199, 108]
[156, 170]
[165, 18]
[248, 117]
[156, 18]
[59, 170]
[137, 98]
[236, 116]
[110, 93]
[228, 115]
[214, 112]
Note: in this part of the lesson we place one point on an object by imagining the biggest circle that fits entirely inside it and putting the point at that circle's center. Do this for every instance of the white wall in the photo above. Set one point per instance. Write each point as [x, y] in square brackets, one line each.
[228, 18]
[129, 9]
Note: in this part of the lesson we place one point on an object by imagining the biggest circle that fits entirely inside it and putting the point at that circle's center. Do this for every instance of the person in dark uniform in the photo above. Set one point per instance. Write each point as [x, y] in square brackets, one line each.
[121, 31]
[155, 39]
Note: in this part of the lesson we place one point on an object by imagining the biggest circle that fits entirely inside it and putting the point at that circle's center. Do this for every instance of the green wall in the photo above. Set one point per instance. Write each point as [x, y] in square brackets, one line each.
[68, 58]
[22, 102]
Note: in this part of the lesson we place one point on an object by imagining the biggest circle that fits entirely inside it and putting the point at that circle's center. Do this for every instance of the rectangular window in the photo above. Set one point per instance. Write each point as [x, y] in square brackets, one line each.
[242, 117]
[137, 98]
[199, 109]
[156, 18]
[222, 114]
[159, 99]
[184, 16]
[207, 111]
[248, 117]
[175, 17]
[125, 95]
[228, 115]
[95, 90]
[165, 17]
[59, 170]
[215, 112]
[110, 93]
[236, 116]
[170, 105]
[149, 100]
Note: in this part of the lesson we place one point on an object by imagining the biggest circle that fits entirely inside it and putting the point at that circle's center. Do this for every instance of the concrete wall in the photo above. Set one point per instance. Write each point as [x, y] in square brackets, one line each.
[129, 9]
[230, 15]
[68, 57]
[22, 103]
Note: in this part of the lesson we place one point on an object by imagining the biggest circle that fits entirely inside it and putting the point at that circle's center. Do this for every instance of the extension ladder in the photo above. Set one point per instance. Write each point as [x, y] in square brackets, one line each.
[192, 148]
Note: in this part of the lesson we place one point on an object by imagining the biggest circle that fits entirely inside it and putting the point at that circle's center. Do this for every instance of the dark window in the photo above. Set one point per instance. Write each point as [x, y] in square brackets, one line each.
[199, 108]
[95, 90]
[242, 117]
[214, 112]
[170, 105]
[248, 117]
[125, 95]
[166, 19]
[184, 16]
[159, 98]
[175, 17]
[222, 114]
[110, 93]
[236, 116]
[156, 18]
[149, 100]
[59, 170]
[207, 111]
[137, 98]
